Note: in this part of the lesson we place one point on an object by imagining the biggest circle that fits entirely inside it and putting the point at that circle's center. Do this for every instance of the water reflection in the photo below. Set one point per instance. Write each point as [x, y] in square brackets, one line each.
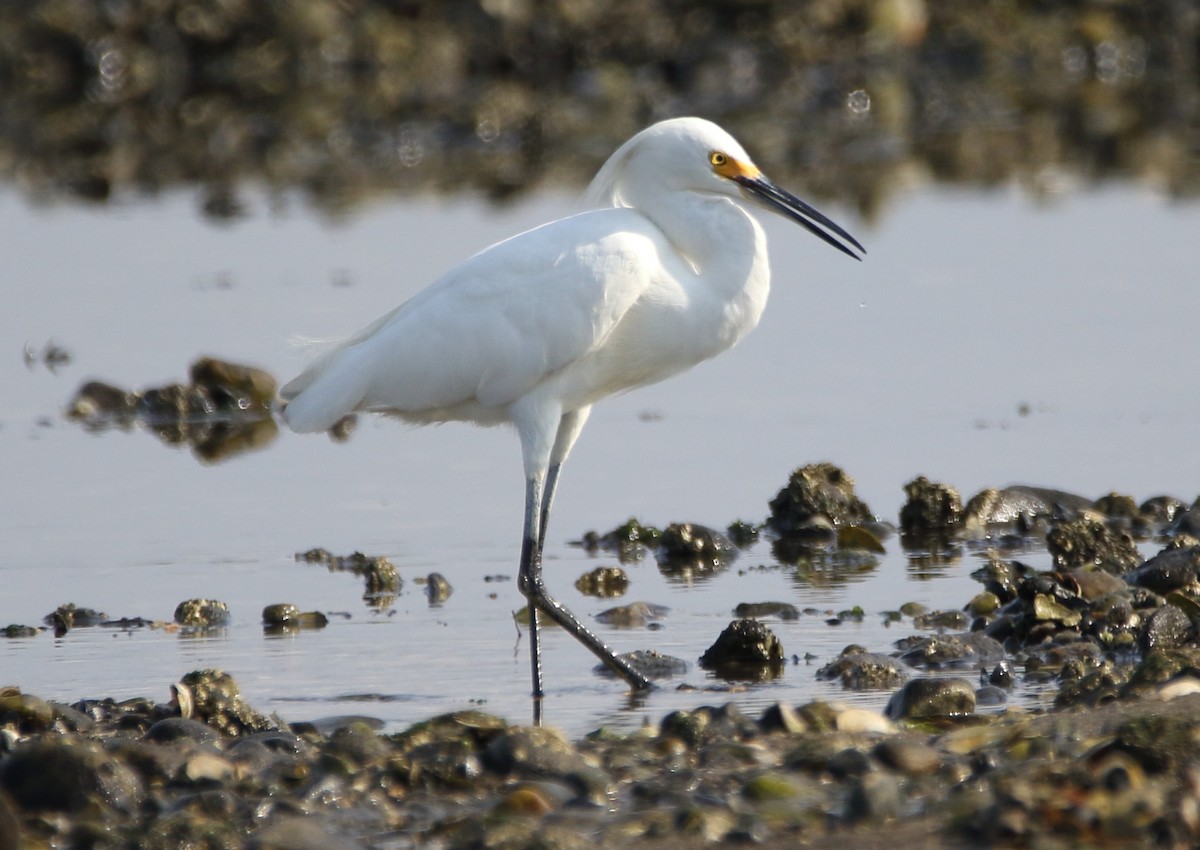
[346, 101]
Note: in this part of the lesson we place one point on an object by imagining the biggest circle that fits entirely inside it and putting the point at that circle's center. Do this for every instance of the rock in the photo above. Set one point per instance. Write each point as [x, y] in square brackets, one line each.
[948, 651]
[650, 663]
[687, 546]
[768, 786]
[1174, 568]
[820, 489]
[437, 588]
[633, 615]
[172, 729]
[744, 643]
[931, 510]
[1022, 506]
[24, 712]
[875, 796]
[68, 775]
[1166, 628]
[604, 582]
[202, 613]
[953, 620]
[232, 386]
[780, 717]
[782, 610]
[285, 617]
[214, 698]
[860, 670]
[909, 757]
[1085, 542]
[925, 698]
[97, 403]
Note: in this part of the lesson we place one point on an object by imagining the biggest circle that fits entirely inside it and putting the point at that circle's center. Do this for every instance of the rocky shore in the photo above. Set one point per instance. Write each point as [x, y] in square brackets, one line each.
[1115, 762]
[100, 774]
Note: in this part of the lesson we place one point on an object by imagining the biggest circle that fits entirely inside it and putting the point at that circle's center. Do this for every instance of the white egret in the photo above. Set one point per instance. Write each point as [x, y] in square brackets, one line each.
[668, 268]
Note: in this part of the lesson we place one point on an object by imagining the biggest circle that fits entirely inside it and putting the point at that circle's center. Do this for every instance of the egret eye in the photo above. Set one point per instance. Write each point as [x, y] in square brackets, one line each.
[718, 159]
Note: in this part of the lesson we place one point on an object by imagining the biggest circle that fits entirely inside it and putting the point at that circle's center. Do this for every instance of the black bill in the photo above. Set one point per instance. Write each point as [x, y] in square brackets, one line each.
[809, 218]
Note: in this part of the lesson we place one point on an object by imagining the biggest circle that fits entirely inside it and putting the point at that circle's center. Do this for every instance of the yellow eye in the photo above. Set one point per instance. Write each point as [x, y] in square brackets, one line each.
[718, 159]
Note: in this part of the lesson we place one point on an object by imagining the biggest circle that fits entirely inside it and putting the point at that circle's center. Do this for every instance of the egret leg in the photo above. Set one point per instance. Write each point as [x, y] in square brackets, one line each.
[531, 584]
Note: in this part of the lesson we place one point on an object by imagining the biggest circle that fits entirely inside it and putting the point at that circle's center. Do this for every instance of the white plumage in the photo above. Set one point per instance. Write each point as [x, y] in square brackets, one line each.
[667, 269]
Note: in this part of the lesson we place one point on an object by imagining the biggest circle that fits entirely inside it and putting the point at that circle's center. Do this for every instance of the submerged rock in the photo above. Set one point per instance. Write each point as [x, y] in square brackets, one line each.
[650, 663]
[285, 617]
[687, 546]
[633, 615]
[782, 610]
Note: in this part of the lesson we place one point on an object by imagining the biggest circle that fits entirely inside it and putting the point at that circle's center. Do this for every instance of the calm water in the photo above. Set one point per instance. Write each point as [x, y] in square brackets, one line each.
[987, 339]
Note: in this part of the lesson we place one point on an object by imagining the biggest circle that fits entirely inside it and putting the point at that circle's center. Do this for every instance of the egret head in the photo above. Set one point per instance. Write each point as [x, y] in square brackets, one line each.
[692, 154]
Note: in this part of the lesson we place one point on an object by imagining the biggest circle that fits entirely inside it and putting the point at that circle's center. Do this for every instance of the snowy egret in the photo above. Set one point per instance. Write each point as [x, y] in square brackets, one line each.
[667, 268]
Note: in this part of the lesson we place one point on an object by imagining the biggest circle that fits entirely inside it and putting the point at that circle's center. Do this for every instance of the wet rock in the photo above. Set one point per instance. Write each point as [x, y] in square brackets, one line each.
[780, 717]
[171, 729]
[757, 610]
[14, 630]
[437, 588]
[234, 386]
[68, 775]
[744, 644]
[1117, 505]
[1174, 568]
[1023, 505]
[927, 698]
[820, 489]
[212, 696]
[633, 615]
[742, 534]
[954, 620]
[707, 723]
[202, 613]
[285, 617]
[650, 663]
[689, 547]
[1084, 542]
[1187, 521]
[769, 786]
[224, 411]
[909, 757]
[931, 510]
[858, 538]
[25, 712]
[380, 577]
[1161, 509]
[860, 670]
[949, 651]
[628, 541]
[1166, 628]
[69, 616]
[604, 582]
[875, 796]
[96, 402]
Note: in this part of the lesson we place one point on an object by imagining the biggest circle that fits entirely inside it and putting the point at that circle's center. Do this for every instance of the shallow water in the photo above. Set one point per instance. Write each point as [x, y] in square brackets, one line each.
[987, 339]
